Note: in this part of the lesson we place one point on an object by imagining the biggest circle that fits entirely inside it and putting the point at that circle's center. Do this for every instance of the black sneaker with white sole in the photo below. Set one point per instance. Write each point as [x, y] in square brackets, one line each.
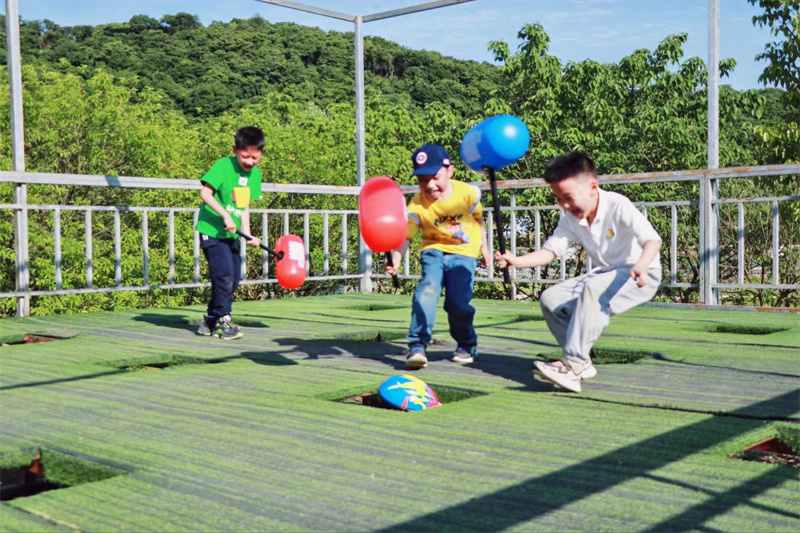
[226, 330]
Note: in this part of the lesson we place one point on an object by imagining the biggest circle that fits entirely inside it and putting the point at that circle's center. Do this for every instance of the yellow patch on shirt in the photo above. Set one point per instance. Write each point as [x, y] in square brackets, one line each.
[610, 233]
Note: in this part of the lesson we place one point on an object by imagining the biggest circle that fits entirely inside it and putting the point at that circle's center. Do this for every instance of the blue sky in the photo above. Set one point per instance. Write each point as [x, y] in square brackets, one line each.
[602, 30]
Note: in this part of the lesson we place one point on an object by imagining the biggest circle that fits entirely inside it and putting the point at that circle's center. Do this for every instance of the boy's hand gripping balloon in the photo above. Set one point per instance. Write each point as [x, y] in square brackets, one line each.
[491, 145]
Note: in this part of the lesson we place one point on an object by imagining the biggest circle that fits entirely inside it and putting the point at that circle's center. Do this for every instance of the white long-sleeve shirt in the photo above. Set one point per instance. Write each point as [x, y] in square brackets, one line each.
[615, 237]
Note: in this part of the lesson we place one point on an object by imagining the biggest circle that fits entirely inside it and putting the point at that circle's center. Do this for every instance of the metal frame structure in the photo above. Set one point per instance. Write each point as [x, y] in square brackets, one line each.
[365, 257]
[708, 179]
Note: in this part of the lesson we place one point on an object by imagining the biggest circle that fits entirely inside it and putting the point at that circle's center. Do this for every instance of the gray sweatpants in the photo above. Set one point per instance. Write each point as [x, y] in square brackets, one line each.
[578, 310]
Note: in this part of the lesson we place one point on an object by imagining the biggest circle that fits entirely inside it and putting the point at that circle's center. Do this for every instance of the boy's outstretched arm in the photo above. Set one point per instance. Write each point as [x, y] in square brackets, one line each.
[533, 259]
[639, 269]
[397, 256]
[207, 195]
[246, 228]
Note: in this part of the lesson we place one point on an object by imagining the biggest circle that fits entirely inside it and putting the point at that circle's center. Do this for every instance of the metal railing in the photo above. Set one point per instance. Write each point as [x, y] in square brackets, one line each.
[528, 227]
[335, 258]
[706, 205]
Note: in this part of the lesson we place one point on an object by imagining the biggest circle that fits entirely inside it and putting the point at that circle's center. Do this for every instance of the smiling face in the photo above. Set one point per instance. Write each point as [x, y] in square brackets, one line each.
[438, 185]
[578, 194]
[248, 157]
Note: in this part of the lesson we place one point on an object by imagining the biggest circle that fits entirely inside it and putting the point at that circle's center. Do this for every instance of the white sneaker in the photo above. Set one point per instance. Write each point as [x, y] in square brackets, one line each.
[588, 372]
[416, 359]
[559, 374]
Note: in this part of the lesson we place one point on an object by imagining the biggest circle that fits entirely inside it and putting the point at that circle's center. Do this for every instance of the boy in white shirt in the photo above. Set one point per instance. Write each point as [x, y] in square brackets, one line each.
[624, 249]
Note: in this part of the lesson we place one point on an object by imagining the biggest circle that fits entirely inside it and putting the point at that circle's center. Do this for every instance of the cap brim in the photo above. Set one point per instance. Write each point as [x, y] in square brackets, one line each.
[427, 170]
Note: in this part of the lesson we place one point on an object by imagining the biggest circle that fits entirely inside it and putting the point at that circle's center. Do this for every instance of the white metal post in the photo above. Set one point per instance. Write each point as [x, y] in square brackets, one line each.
[14, 61]
[364, 253]
[710, 187]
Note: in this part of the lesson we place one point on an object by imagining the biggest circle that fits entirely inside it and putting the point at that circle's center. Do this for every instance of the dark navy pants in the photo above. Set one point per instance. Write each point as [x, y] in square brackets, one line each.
[224, 269]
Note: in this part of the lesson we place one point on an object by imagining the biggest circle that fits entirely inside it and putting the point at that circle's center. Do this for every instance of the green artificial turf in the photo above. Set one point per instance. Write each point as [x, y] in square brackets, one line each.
[255, 441]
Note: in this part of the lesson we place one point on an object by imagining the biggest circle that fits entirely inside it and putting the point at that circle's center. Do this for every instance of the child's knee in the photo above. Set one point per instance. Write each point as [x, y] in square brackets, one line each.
[459, 309]
[550, 300]
[225, 283]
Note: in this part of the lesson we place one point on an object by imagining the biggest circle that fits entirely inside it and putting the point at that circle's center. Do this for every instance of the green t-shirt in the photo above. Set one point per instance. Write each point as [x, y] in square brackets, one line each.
[224, 176]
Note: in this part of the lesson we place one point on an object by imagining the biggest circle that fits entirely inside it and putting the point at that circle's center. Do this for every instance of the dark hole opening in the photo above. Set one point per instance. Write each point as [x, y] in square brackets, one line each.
[745, 330]
[29, 338]
[383, 335]
[375, 307]
[49, 471]
[25, 480]
[772, 451]
[161, 363]
[607, 356]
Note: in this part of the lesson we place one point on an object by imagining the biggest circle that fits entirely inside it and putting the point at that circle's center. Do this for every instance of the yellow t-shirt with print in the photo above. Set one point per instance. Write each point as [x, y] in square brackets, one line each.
[451, 224]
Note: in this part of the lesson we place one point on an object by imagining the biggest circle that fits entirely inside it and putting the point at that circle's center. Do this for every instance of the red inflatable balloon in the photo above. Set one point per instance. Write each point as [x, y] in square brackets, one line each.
[382, 216]
[290, 270]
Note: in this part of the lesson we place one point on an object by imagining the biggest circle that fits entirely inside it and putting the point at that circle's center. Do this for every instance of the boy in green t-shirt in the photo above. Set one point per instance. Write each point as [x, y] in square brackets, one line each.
[226, 191]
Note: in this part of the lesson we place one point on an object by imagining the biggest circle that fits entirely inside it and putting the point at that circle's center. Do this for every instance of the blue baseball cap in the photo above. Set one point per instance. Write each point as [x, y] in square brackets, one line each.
[429, 158]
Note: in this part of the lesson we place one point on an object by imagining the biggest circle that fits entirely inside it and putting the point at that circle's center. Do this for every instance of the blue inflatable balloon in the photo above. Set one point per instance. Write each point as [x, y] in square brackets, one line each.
[496, 142]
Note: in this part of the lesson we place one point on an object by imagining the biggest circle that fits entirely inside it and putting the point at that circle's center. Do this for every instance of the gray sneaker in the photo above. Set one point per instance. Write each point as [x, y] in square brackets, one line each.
[416, 358]
[226, 330]
[203, 327]
[465, 356]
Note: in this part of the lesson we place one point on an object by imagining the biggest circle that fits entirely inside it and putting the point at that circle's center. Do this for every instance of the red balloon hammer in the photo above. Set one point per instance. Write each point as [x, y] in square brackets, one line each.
[382, 216]
[290, 270]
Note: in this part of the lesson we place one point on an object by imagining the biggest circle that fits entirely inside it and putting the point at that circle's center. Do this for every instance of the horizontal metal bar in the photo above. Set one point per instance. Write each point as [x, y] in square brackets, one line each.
[650, 177]
[773, 286]
[666, 203]
[741, 308]
[34, 178]
[484, 279]
[761, 199]
[134, 209]
[412, 9]
[297, 6]
[141, 288]
[129, 182]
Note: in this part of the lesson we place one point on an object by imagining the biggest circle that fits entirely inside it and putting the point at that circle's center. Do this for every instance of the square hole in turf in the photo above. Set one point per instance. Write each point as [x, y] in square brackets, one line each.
[29, 338]
[744, 329]
[782, 448]
[161, 362]
[372, 335]
[370, 397]
[607, 356]
[26, 473]
[376, 307]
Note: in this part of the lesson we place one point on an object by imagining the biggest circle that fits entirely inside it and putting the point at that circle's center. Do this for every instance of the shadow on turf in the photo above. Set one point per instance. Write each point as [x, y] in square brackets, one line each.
[182, 322]
[56, 381]
[664, 358]
[382, 352]
[259, 358]
[539, 496]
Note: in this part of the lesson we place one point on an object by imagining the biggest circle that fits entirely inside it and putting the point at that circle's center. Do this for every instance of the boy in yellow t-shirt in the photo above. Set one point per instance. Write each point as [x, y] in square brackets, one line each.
[448, 213]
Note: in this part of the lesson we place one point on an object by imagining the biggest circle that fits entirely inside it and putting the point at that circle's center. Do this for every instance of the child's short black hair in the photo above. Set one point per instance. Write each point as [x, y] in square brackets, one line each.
[568, 166]
[247, 137]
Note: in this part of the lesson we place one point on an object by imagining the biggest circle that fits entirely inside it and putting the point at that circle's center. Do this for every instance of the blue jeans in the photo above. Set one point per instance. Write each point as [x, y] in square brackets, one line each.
[455, 273]
[224, 269]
